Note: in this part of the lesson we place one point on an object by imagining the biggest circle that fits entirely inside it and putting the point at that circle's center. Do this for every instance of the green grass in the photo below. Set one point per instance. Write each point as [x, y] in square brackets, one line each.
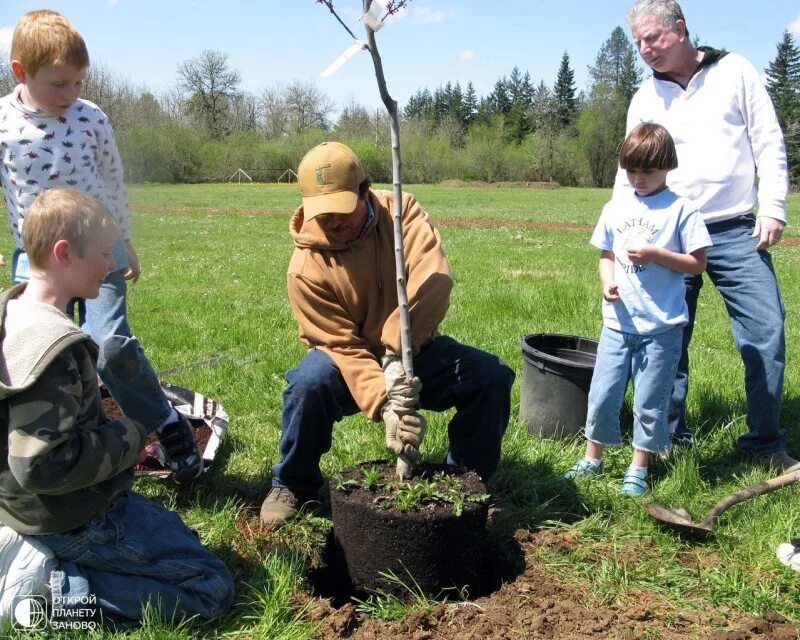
[215, 283]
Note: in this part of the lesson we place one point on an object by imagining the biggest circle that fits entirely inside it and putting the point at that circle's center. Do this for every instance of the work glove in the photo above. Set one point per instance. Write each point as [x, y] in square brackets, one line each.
[404, 432]
[401, 390]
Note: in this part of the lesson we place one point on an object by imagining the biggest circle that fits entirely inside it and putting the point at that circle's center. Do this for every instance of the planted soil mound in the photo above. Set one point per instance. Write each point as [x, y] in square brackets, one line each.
[429, 531]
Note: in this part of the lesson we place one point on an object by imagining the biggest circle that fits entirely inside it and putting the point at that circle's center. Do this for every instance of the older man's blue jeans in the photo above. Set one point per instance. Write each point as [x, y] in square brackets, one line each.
[476, 383]
[122, 364]
[746, 280]
[138, 553]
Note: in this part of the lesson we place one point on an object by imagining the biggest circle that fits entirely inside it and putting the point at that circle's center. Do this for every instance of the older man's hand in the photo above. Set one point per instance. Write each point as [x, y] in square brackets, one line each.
[768, 231]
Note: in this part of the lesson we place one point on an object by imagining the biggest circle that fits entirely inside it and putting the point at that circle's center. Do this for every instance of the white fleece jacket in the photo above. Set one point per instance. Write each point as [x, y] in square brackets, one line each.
[726, 132]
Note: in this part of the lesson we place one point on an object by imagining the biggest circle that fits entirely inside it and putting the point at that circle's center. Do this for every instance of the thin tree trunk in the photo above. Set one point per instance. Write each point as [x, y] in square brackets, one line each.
[404, 466]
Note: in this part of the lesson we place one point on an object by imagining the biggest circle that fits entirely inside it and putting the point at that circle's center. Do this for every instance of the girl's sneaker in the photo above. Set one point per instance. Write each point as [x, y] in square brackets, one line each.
[634, 482]
[583, 467]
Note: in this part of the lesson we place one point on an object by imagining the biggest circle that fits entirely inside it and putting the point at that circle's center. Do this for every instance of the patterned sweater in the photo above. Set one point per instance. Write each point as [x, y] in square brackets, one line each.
[62, 461]
[39, 151]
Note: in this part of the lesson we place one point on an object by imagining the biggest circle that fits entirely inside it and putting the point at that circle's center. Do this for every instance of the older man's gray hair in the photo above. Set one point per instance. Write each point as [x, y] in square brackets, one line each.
[667, 11]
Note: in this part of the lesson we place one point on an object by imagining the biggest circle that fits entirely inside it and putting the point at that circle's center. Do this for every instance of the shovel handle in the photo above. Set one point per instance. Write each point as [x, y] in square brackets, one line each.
[747, 493]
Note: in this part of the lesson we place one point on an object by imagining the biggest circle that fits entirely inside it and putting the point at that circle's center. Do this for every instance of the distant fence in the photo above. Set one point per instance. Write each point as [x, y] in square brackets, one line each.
[240, 175]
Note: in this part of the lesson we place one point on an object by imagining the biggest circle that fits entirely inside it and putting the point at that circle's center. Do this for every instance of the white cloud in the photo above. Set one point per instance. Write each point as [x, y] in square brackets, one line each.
[466, 55]
[794, 26]
[5, 37]
[429, 15]
[112, 3]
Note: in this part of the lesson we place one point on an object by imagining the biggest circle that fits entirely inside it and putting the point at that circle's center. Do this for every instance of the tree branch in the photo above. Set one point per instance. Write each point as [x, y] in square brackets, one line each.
[329, 4]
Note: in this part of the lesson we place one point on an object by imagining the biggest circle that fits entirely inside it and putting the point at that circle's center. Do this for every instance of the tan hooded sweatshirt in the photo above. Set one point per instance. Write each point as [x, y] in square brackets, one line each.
[344, 296]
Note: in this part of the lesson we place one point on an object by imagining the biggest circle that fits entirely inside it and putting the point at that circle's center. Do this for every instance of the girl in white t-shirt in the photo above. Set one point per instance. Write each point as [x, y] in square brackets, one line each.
[648, 239]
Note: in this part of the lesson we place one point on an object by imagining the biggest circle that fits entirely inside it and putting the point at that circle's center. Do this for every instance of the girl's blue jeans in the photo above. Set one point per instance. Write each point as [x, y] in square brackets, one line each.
[650, 362]
[136, 553]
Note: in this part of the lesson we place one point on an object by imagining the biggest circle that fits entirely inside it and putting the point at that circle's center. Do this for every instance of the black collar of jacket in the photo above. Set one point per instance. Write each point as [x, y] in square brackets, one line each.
[711, 56]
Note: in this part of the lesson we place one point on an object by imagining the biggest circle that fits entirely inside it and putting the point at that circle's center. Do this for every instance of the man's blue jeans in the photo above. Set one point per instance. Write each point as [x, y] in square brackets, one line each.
[746, 280]
[122, 364]
[476, 383]
[136, 553]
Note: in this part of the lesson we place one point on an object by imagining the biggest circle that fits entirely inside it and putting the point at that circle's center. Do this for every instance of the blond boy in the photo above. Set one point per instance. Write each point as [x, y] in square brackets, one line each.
[66, 478]
[50, 137]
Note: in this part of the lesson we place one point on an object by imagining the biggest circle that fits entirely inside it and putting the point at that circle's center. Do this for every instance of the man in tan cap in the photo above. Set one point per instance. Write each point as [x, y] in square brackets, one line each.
[342, 289]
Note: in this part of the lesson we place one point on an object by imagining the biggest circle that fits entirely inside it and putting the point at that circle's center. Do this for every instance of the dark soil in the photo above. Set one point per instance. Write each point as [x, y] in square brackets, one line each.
[202, 434]
[538, 603]
[435, 545]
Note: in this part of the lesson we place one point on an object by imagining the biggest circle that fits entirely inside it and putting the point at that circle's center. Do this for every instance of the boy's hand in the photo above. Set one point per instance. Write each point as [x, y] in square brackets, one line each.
[133, 271]
[2, 260]
[611, 292]
[643, 254]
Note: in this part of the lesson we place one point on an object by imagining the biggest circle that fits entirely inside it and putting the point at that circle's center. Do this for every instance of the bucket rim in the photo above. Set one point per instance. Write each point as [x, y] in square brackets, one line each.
[532, 351]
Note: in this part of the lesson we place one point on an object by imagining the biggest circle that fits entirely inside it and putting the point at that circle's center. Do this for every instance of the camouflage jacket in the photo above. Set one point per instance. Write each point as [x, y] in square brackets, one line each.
[62, 461]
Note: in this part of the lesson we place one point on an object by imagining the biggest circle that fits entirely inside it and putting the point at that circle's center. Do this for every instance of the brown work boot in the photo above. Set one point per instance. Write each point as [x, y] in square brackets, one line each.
[280, 505]
[779, 462]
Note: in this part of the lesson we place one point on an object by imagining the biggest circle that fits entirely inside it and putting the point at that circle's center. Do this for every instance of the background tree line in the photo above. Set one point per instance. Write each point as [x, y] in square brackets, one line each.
[207, 126]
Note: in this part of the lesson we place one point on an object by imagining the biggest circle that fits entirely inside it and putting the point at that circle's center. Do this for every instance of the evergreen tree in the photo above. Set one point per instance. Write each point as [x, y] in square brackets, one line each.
[500, 98]
[601, 124]
[616, 66]
[470, 103]
[783, 85]
[783, 79]
[566, 104]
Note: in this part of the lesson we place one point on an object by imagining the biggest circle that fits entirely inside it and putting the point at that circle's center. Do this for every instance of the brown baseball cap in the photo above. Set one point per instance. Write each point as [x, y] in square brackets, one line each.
[329, 176]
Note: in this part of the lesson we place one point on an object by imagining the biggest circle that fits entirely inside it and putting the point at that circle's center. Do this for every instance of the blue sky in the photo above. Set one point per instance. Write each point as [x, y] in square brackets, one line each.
[276, 41]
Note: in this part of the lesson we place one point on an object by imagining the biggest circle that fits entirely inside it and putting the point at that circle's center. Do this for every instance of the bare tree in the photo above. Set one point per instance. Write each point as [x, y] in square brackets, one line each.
[212, 85]
[308, 106]
[112, 93]
[295, 108]
[404, 468]
[355, 121]
[244, 112]
[274, 113]
[7, 79]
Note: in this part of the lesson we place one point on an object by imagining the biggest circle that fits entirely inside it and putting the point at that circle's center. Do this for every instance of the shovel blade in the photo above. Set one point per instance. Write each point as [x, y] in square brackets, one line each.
[678, 519]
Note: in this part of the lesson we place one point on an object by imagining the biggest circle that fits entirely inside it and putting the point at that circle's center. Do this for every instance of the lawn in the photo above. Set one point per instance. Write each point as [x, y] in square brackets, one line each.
[214, 259]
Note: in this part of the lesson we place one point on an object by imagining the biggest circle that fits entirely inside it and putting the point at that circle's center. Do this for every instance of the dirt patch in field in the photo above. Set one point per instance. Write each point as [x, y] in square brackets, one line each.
[470, 223]
[538, 604]
[255, 213]
[531, 184]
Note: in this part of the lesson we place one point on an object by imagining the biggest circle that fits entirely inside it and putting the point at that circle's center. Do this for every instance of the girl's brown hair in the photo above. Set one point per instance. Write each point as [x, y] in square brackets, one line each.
[648, 146]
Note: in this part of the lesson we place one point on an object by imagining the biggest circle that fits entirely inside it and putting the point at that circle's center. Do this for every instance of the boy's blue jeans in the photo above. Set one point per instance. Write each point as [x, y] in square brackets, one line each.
[122, 364]
[746, 280]
[476, 383]
[136, 553]
[651, 362]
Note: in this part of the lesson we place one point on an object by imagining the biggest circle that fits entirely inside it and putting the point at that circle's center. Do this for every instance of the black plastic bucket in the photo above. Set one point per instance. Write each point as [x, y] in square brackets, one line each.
[556, 374]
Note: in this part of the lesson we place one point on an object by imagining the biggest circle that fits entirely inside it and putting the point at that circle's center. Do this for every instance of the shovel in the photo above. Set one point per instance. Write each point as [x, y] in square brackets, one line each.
[679, 519]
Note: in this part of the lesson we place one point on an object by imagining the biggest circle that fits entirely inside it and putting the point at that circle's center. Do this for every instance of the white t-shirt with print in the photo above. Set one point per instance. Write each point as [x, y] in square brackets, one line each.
[652, 297]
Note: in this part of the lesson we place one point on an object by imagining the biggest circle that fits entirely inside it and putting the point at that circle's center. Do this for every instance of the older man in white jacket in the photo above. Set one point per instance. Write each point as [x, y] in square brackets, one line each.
[726, 133]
